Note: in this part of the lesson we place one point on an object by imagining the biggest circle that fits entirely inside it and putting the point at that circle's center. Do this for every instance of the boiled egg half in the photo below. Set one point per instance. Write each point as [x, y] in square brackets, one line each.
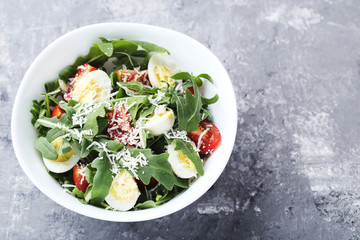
[161, 121]
[182, 166]
[95, 86]
[123, 192]
[160, 69]
[64, 162]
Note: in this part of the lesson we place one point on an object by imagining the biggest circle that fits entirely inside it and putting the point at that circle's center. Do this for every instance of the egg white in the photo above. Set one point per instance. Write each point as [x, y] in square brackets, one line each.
[181, 169]
[94, 86]
[161, 122]
[60, 167]
[158, 61]
[123, 192]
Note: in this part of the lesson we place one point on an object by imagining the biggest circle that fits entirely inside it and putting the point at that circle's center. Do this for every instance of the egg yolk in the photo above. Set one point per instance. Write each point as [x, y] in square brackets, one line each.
[160, 114]
[164, 73]
[86, 91]
[124, 187]
[62, 157]
[185, 161]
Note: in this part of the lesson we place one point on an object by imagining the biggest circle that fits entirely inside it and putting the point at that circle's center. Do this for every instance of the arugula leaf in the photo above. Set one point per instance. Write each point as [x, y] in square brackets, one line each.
[102, 179]
[53, 122]
[198, 80]
[137, 103]
[208, 101]
[52, 86]
[188, 107]
[54, 133]
[193, 102]
[106, 48]
[38, 110]
[63, 123]
[91, 120]
[188, 150]
[182, 111]
[78, 193]
[112, 145]
[138, 86]
[46, 149]
[150, 47]
[90, 173]
[145, 205]
[68, 107]
[65, 147]
[159, 168]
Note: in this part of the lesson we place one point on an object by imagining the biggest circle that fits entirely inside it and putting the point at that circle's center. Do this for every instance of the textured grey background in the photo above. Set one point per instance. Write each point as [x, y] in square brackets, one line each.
[295, 67]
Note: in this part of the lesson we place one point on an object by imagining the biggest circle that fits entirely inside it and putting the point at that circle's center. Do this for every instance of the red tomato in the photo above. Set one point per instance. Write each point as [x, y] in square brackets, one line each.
[119, 125]
[210, 137]
[151, 184]
[79, 175]
[191, 89]
[132, 75]
[81, 71]
[57, 112]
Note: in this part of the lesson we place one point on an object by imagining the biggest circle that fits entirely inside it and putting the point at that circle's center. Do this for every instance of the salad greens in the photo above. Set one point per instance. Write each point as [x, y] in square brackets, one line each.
[104, 151]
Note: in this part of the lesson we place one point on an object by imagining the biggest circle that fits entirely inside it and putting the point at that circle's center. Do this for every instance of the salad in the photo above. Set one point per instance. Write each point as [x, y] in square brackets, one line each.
[124, 128]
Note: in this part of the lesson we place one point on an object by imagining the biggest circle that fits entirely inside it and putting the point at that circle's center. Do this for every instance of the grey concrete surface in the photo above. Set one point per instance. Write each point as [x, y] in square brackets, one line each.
[295, 67]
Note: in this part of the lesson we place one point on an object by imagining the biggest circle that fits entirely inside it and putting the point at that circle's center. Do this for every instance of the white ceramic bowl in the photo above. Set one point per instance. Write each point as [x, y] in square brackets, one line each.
[192, 56]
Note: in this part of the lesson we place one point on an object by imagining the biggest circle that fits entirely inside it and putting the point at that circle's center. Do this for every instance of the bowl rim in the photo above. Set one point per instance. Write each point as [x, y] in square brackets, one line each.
[130, 216]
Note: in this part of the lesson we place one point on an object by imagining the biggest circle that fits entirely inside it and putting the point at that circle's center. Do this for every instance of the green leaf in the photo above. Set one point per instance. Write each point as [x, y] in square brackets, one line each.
[145, 205]
[102, 179]
[63, 123]
[78, 193]
[65, 147]
[159, 168]
[54, 133]
[68, 107]
[188, 150]
[138, 86]
[208, 101]
[181, 76]
[112, 145]
[182, 111]
[106, 48]
[46, 149]
[203, 75]
[38, 110]
[194, 103]
[188, 107]
[137, 103]
[90, 173]
[51, 86]
[91, 119]
[150, 47]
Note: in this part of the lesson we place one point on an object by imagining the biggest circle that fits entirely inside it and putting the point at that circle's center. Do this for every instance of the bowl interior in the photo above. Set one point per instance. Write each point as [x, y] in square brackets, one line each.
[192, 57]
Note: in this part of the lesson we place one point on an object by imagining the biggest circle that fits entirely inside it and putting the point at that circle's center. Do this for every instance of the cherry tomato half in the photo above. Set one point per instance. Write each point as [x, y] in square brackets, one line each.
[210, 137]
[132, 75]
[79, 175]
[119, 124]
[57, 112]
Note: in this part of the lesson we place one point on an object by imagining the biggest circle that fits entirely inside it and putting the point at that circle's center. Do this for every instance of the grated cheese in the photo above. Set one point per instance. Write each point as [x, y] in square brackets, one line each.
[157, 99]
[172, 134]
